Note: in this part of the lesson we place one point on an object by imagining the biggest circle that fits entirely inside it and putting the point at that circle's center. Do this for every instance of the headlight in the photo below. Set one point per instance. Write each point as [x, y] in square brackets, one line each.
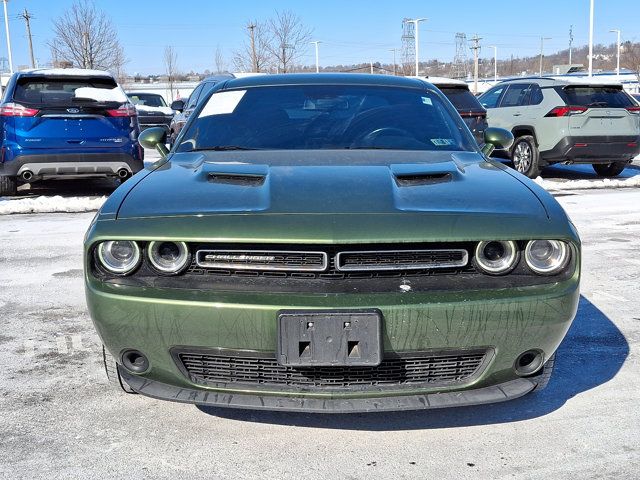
[168, 257]
[546, 257]
[119, 256]
[497, 257]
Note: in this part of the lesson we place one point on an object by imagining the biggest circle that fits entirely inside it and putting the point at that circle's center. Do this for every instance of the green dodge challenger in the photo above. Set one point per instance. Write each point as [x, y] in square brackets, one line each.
[330, 243]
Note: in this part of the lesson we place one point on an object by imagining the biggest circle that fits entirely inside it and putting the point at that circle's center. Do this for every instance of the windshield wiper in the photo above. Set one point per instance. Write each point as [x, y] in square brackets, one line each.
[223, 148]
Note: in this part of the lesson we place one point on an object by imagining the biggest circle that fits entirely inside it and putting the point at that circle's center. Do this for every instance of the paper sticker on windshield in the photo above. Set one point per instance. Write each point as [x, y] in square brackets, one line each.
[222, 103]
[427, 101]
[442, 142]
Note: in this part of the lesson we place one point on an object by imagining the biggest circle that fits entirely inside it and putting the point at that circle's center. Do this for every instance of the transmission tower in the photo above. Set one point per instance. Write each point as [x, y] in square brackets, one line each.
[460, 65]
[408, 56]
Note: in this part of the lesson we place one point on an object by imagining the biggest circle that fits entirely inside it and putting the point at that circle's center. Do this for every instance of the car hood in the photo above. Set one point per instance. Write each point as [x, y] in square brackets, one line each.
[300, 194]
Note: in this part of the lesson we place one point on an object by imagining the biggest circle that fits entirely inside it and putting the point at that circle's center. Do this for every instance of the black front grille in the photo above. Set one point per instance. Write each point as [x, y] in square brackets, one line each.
[402, 370]
[393, 260]
[401, 259]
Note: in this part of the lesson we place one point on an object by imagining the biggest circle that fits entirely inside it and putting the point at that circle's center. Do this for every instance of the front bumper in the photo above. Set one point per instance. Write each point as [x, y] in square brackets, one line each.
[491, 394]
[593, 150]
[508, 321]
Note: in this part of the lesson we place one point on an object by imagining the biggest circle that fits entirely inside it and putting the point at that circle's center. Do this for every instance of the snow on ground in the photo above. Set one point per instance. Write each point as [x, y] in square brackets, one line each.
[51, 204]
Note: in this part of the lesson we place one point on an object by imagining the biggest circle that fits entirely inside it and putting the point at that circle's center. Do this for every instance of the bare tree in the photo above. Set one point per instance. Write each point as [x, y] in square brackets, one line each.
[630, 57]
[221, 64]
[254, 55]
[86, 38]
[289, 41]
[171, 67]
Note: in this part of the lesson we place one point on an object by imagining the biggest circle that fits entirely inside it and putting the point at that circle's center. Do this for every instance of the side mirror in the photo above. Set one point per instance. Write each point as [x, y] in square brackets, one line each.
[496, 138]
[155, 137]
[177, 105]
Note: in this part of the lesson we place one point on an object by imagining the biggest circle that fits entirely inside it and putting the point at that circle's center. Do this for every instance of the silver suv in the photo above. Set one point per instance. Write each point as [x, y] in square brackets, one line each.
[565, 121]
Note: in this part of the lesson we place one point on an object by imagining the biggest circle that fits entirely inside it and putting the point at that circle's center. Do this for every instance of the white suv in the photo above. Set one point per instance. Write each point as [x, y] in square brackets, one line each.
[565, 121]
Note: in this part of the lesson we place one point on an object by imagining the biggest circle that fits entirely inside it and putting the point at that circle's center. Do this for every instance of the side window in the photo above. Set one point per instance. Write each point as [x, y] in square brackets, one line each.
[193, 98]
[206, 88]
[516, 95]
[490, 99]
[535, 95]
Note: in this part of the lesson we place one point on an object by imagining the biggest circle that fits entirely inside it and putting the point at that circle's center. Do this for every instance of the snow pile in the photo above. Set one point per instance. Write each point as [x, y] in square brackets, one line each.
[115, 94]
[55, 204]
[596, 184]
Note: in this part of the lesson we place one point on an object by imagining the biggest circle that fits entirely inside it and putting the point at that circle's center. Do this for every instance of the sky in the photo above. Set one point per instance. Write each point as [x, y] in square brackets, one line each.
[351, 31]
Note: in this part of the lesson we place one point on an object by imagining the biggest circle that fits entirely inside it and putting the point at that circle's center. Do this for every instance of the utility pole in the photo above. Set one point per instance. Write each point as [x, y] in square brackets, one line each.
[316, 43]
[618, 53]
[542, 39]
[254, 59]
[590, 39]
[415, 22]
[476, 51]
[6, 28]
[284, 47]
[570, 43]
[26, 16]
[495, 63]
[394, 60]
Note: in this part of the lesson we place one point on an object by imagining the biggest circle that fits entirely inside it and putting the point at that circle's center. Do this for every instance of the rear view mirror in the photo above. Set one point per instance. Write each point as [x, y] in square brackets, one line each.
[496, 138]
[154, 138]
[177, 105]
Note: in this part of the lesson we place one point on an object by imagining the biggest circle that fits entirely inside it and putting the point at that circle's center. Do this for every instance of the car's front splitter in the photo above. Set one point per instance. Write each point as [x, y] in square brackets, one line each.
[490, 394]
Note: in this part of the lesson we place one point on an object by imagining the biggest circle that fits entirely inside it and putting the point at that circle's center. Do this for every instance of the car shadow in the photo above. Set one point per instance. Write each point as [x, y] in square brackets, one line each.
[91, 187]
[591, 354]
[563, 173]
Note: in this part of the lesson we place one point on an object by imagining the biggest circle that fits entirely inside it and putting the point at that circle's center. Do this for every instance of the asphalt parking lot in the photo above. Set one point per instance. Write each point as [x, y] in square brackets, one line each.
[60, 419]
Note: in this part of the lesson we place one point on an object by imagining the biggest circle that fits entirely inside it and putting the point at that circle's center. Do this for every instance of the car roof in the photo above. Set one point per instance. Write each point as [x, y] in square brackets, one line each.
[445, 82]
[325, 79]
[551, 80]
[63, 72]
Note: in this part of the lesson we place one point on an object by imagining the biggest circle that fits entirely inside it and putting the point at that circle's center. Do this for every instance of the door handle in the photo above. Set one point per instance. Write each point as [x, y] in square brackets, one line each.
[517, 114]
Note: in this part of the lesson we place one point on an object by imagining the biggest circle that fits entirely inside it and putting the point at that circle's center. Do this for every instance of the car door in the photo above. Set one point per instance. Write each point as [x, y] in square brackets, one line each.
[513, 105]
[490, 100]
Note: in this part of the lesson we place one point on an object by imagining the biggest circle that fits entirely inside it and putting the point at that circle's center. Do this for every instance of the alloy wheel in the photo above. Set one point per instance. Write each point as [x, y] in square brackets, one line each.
[522, 157]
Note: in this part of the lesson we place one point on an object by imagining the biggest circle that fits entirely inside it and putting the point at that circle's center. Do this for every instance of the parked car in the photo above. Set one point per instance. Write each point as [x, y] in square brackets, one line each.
[186, 107]
[565, 121]
[152, 110]
[468, 106]
[66, 123]
[328, 243]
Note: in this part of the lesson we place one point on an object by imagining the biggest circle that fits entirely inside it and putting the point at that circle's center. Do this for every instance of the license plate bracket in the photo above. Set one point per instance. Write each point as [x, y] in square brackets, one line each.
[330, 338]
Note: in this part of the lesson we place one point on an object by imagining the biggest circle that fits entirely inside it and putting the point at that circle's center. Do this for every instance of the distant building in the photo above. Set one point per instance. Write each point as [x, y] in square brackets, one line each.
[567, 68]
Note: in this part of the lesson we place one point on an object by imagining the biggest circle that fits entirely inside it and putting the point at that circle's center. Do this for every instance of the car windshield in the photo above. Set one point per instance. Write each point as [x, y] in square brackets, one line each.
[326, 117]
[462, 98]
[147, 99]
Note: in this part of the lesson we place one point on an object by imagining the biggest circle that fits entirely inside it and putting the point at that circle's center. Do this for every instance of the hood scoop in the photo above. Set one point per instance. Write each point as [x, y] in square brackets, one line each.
[420, 179]
[240, 179]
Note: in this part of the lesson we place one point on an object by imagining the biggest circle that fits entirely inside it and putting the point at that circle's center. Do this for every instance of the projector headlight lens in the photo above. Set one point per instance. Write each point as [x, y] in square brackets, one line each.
[168, 257]
[497, 257]
[547, 257]
[119, 256]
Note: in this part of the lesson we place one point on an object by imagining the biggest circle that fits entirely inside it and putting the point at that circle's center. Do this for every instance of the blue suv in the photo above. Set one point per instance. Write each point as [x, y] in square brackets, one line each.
[66, 123]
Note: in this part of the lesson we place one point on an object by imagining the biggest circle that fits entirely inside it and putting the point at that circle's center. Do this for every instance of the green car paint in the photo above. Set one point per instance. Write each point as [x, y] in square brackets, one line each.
[332, 198]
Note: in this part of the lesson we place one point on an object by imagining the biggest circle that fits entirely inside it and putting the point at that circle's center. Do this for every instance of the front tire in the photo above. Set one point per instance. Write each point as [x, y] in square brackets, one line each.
[525, 156]
[609, 169]
[8, 186]
[111, 369]
[542, 378]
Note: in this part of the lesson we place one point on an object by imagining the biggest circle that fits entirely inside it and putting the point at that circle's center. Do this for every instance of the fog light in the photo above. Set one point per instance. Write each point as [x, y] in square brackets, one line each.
[135, 361]
[529, 362]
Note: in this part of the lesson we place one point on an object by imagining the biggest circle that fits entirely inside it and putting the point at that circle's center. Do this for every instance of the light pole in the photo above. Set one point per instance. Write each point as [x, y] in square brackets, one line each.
[618, 53]
[6, 27]
[316, 43]
[591, 39]
[542, 39]
[495, 63]
[394, 60]
[416, 22]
